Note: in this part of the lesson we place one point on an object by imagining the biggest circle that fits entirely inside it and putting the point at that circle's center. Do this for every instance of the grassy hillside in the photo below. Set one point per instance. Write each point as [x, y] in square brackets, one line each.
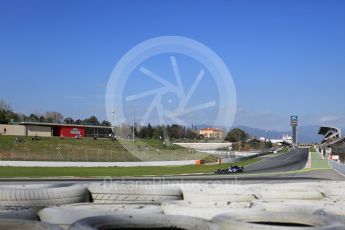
[113, 171]
[87, 149]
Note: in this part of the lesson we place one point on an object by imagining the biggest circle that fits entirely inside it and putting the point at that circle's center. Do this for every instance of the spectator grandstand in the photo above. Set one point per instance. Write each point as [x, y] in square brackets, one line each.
[332, 145]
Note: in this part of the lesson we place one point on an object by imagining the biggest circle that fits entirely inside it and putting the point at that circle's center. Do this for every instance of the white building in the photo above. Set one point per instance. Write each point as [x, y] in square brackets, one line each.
[286, 139]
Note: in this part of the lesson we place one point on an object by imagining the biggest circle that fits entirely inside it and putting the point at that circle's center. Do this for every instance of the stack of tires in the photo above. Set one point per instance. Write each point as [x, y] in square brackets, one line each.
[131, 192]
[19, 204]
[288, 206]
[123, 205]
[263, 206]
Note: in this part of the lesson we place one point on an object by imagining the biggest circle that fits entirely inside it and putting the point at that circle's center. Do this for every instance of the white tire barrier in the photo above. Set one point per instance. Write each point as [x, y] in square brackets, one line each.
[42, 195]
[290, 195]
[144, 222]
[12, 224]
[108, 193]
[195, 196]
[219, 193]
[205, 210]
[65, 215]
[304, 207]
[17, 213]
[308, 186]
[335, 191]
[332, 190]
[217, 186]
[277, 221]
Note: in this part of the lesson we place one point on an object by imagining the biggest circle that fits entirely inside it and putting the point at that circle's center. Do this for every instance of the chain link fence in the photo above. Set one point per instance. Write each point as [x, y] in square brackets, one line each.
[68, 153]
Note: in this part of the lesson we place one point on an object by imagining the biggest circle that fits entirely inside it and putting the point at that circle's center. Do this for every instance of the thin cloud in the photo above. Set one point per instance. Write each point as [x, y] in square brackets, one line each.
[242, 110]
[329, 118]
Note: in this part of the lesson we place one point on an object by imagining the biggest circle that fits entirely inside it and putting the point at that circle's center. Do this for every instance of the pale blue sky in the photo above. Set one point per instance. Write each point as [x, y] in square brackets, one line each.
[286, 57]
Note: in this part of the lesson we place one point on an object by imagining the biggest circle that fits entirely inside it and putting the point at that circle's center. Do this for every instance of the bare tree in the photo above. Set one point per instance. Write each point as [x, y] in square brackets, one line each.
[21, 117]
[68, 120]
[53, 116]
[6, 113]
[105, 123]
[33, 118]
[4, 105]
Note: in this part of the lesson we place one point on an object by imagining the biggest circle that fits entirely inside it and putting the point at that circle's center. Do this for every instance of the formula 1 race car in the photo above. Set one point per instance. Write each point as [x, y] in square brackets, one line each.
[231, 169]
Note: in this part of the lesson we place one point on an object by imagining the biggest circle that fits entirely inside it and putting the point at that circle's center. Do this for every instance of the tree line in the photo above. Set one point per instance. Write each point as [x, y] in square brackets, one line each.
[7, 116]
[149, 131]
[174, 131]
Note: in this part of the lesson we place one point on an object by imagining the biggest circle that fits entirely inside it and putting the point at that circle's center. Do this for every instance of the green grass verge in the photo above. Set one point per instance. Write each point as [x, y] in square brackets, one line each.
[317, 162]
[87, 149]
[284, 150]
[312, 149]
[305, 170]
[10, 172]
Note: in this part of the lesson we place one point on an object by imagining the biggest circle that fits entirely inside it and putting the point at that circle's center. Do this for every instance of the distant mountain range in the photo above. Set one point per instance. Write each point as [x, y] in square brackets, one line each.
[305, 133]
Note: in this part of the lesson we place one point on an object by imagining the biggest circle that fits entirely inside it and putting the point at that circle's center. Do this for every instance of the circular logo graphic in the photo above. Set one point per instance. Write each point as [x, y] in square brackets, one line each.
[169, 80]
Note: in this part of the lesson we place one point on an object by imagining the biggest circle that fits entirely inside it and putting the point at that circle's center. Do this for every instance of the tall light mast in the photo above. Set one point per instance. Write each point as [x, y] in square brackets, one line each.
[294, 123]
[113, 121]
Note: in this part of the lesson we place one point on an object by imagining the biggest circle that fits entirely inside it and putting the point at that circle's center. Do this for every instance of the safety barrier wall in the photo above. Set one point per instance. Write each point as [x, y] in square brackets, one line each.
[338, 166]
[238, 159]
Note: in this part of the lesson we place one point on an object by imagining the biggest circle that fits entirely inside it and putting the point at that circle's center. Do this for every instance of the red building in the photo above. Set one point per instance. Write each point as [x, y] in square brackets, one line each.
[70, 131]
[65, 130]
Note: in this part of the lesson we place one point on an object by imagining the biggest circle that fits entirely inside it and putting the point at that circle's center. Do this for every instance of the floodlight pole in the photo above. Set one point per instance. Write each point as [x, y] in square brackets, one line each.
[113, 121]
[113, 113]
[133, 125]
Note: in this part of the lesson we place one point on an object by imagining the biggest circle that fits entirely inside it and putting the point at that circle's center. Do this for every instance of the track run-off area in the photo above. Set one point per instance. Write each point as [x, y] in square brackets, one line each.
[278, 168]
[276, 192]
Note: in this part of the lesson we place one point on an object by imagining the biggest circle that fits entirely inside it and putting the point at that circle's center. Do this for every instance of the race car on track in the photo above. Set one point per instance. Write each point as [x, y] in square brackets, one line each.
[231, 169]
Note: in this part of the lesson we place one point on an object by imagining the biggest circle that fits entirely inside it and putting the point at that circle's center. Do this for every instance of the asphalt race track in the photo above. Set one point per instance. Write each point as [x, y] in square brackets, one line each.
[267, 171]
[296, 159]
